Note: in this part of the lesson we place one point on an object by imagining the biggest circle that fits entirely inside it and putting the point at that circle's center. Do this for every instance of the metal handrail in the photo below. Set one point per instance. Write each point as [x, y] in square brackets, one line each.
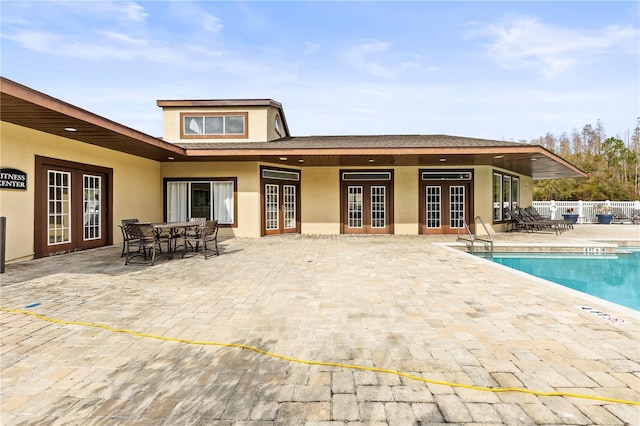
[490, 237]
[472, 238]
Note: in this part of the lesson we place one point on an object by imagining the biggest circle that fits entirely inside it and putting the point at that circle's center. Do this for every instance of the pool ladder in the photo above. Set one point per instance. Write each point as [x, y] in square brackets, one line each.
[471, 238]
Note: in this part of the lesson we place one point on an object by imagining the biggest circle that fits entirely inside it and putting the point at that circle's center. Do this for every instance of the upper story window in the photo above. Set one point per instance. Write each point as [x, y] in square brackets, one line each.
[214, 125]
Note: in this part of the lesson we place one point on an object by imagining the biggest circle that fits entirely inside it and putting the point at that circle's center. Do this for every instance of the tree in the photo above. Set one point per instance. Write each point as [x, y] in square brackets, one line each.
[613, 168]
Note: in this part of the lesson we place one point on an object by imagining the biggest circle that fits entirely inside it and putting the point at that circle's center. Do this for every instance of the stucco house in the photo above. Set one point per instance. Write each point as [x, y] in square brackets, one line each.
[236, 161]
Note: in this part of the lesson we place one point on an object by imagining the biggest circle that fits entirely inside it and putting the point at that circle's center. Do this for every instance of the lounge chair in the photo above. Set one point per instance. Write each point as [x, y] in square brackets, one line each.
[563, 224]
[527, 222]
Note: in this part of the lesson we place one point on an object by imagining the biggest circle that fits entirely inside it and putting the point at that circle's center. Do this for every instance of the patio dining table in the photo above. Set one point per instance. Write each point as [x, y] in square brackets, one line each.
[174, 232]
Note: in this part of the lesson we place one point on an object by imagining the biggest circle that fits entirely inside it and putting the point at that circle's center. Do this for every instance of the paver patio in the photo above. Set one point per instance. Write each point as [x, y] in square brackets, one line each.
[402, 303]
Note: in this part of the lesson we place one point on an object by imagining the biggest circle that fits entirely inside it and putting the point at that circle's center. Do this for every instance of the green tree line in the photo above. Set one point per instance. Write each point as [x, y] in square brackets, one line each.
[613, 165]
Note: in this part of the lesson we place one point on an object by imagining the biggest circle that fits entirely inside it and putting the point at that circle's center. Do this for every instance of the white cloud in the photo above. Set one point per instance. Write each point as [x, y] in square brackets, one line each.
[197, 16]
[109, 46]
[525, 42]
[119, 10]
[373, 57]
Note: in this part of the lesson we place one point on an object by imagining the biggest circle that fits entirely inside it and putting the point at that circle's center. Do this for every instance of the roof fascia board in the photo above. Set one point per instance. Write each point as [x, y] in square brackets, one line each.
[56, 105]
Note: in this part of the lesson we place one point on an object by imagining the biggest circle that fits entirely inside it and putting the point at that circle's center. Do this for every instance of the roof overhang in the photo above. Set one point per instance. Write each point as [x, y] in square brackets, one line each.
[26, 107]
[528, 160]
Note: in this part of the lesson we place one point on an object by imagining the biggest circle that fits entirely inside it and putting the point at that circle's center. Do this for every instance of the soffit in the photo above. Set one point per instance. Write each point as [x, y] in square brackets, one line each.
[384, 151]
[26, 107]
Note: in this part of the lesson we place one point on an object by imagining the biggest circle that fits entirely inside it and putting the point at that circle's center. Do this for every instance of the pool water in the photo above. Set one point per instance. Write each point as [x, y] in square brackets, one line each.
[614, 277]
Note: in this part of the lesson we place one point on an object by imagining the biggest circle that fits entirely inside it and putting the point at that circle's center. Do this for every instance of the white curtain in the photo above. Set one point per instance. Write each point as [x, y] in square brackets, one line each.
[177, 201]
[223, 202]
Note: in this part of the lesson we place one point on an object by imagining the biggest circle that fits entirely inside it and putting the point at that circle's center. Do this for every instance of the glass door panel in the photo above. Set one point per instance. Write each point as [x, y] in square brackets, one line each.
[91, 202]
[59, 208]
[289, 206]
[456, 206]
[434, 207]
[378, 207]
[354, 203]
[271, 198]
[201, 200]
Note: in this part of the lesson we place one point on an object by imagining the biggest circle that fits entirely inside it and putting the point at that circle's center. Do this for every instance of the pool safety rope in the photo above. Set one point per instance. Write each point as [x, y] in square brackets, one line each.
[323, 363]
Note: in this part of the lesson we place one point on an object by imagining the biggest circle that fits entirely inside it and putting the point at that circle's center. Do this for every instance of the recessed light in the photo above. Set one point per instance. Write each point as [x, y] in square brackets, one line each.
[442, 160]
[283, 158]
[498, 156]
[534, 159]
[371, 160]
[301, 160]
[170, 158]
[71, 129]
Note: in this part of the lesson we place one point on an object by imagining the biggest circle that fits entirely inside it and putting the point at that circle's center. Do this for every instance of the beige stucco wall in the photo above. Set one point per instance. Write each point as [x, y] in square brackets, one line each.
[320, 200]
[248, 190]
[137, 189]
[258, 121]
[138, 192]
[406, 198]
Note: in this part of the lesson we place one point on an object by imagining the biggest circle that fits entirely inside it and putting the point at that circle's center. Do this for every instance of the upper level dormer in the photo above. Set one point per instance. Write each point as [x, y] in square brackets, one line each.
[227, 120]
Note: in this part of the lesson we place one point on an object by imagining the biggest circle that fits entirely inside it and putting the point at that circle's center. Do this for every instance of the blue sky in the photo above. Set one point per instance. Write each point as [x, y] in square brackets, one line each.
[497, 70]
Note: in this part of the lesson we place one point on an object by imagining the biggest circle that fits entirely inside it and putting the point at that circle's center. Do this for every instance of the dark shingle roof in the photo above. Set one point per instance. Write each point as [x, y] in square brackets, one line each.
[359, 141]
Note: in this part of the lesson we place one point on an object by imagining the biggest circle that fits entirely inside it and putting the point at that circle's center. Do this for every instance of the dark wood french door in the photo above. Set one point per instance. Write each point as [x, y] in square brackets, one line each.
[73, 206]
[367, 202]
[444, 206]
[280, 201]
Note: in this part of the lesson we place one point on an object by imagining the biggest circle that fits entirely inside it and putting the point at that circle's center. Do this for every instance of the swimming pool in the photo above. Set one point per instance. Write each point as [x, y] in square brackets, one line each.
[614, 277]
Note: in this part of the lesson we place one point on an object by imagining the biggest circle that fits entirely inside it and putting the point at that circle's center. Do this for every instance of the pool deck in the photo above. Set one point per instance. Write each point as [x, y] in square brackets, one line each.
[446, 331]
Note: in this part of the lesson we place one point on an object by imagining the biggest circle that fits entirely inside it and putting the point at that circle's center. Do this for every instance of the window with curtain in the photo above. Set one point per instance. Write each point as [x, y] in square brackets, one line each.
[211, 199]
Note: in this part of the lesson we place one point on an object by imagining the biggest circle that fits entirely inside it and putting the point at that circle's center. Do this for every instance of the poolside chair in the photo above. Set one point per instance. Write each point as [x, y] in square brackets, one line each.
[529, 223]
[558, 225]
[619, 216]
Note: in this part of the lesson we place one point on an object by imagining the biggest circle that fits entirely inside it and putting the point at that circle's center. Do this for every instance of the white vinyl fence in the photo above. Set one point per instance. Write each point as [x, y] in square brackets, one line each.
[586, 209]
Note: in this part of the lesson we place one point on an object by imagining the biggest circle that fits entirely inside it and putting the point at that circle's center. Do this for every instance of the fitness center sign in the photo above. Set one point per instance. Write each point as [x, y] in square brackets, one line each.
[13, 179]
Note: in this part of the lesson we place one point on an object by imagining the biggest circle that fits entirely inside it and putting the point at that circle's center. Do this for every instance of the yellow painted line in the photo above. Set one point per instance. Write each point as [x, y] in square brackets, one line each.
[323, 363]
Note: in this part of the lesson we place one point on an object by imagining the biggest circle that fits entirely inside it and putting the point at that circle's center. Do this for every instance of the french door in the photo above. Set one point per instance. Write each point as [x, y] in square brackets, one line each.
[445, 202]
[367, 202]
[73, 207]
[280, 201]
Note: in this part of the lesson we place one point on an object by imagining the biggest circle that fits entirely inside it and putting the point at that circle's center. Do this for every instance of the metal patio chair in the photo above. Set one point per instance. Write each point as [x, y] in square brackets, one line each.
[126, 237]
[205, 234]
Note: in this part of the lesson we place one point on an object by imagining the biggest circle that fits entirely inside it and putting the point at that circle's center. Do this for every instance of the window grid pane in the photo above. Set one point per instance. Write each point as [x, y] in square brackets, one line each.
[434, 207]
[234, 125]
[271, 206]
[515, 192]
[497, 196]
[456, 206]
[59, 208]
[506, 196]
[213, 125]
[193, 126]
[91, 202]
[289, 206]
[355, 206]
[200, 200]
[378, 219]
